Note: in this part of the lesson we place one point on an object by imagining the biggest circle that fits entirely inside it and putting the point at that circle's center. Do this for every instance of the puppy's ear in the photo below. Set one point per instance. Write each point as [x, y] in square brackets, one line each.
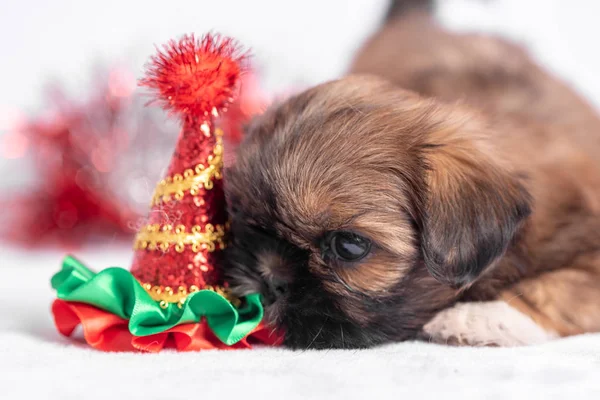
[474, 204]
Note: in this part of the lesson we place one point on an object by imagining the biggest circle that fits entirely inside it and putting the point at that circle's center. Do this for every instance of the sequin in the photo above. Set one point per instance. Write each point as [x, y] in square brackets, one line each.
[179, 263]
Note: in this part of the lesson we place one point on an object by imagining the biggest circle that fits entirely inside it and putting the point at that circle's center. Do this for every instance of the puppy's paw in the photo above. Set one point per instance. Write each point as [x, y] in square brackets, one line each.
[492, 323]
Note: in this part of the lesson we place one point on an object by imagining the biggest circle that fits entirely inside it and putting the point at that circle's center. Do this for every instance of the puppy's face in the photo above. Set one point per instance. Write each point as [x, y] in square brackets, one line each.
[360, 210]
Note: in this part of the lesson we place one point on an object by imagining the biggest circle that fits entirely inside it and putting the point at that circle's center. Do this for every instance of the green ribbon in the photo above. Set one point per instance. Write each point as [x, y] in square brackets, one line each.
[115, 290]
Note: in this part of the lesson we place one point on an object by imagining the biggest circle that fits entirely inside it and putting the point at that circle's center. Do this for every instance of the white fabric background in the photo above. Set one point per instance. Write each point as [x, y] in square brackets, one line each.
[296, 43]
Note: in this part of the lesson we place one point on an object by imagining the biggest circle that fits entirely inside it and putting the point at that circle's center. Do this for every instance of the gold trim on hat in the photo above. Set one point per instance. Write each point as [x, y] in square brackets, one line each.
[174, 187]
[166, 294]
[155, 237]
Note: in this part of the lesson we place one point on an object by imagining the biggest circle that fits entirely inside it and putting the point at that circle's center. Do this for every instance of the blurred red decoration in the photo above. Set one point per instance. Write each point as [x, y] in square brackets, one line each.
[251, 102]
[75, 150]
[96, 162]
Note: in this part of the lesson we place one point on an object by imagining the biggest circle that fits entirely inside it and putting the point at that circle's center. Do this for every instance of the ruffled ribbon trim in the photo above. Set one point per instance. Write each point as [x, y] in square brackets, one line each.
[117, 314]
[107, 332]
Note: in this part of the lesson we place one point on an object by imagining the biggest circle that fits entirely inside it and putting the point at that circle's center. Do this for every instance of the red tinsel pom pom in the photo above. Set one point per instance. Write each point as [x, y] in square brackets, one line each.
[193, 76]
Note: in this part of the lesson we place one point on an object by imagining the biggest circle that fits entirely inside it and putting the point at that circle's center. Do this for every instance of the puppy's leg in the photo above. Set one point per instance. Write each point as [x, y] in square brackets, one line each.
[566, 301]
[492, 323]
[556, 303]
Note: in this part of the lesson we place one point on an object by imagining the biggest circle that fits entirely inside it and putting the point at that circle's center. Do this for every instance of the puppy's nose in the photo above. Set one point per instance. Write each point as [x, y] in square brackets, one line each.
[276, 289]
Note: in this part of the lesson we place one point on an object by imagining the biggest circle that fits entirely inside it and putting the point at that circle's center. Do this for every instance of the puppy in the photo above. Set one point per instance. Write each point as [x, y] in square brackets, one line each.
[446, 189]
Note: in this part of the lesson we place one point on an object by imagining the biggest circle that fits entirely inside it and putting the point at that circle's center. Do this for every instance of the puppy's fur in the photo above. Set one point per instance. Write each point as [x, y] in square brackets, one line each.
[474, 173]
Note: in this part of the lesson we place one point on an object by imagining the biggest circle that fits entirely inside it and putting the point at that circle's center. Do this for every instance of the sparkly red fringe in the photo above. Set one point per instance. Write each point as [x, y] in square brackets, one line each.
[194, 76]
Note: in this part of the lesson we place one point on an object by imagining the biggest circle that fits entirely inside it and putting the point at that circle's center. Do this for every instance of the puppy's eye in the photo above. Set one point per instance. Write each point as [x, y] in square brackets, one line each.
[347, 246]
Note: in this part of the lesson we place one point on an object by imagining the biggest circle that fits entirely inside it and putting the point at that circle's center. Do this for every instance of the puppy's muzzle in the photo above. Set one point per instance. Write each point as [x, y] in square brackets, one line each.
[275, 289]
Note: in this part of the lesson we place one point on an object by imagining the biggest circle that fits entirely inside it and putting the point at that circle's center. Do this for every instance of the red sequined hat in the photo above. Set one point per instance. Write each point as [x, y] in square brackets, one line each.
[177, 251]
[174, 295]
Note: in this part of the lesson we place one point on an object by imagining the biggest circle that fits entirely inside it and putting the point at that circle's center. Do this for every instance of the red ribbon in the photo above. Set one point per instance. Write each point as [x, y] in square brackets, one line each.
[108, 332]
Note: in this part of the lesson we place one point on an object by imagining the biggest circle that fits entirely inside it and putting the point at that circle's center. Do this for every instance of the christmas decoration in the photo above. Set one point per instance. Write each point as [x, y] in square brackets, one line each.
[174, 295]
[91, 162]
[251, 102]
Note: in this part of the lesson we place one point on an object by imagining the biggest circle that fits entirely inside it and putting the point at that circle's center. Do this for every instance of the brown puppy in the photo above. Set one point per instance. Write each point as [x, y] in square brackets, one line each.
[367, 213]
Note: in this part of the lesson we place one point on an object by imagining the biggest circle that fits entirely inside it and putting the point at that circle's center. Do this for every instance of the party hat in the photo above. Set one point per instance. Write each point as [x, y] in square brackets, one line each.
[174, 295]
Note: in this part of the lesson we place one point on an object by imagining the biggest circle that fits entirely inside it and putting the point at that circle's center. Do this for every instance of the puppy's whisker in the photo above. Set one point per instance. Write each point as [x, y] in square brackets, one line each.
[343, 282]
[317, 335]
